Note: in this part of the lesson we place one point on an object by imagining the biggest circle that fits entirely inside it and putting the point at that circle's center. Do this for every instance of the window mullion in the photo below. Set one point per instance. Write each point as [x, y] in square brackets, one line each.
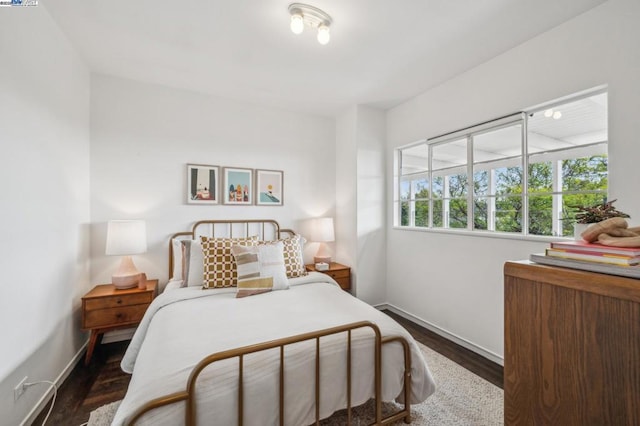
[556, 200]
[491, 201]
[445, 202]
[412, 203]
[525, 177]
[470, 183]
[430, 175]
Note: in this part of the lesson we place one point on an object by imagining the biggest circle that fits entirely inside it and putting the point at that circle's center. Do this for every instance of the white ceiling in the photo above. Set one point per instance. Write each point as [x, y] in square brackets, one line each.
[381, 53]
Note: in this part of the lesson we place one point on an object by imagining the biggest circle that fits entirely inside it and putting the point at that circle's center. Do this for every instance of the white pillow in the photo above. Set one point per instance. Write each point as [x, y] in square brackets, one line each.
[260, 269]
[193, 262]
[176, 273]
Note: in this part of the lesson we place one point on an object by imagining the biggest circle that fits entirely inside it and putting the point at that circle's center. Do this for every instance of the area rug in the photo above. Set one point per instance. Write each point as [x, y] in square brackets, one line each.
[461, 398]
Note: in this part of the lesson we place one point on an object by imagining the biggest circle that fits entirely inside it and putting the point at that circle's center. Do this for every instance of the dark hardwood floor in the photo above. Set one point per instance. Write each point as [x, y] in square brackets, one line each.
[89, 387]
[102, 381]
[477, 364]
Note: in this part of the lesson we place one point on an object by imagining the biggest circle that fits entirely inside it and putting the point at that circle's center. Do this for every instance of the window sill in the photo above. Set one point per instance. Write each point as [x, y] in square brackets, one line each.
[485, 234]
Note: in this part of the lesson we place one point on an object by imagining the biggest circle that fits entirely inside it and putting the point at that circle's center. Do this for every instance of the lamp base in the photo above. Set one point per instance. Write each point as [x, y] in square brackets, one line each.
[122, 282]
[321, 259]
[127, 276]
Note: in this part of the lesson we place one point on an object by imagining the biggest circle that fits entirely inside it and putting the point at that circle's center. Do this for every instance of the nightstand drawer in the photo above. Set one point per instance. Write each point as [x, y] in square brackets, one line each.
[344, 283]
[340, 273]
[337, 275]
[114, 316]
[118, 301]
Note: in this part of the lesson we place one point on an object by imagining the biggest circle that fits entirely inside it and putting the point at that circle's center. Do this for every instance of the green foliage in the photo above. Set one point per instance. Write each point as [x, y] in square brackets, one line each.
[587, 176]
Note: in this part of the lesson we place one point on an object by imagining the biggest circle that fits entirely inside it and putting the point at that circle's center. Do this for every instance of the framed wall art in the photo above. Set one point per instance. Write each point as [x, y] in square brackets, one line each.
[237, 186]
[269, 187]
[202, 184]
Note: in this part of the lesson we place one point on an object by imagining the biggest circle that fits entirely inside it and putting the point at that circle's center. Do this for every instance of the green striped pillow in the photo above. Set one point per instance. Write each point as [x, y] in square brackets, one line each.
[260, 269]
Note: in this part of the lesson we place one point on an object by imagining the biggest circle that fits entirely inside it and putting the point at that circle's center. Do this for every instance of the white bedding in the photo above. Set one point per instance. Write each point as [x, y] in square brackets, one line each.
[184, 325]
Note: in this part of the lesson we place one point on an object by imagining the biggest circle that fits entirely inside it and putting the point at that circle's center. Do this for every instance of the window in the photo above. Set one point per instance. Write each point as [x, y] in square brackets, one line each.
[475, 179]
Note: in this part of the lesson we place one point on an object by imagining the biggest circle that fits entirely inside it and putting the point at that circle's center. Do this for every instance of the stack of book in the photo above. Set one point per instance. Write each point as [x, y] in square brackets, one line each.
[624, 261]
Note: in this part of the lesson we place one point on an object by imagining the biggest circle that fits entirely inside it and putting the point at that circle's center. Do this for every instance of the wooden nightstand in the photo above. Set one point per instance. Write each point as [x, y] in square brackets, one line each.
[337, 271]
[106, 308]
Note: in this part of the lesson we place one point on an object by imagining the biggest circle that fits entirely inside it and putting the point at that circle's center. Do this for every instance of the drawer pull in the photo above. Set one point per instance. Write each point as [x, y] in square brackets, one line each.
[119, 315]
[119, 301]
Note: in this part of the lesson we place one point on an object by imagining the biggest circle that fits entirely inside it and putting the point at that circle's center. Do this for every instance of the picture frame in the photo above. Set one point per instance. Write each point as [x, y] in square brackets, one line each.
[269, 187]
[203, 184]
[237, 186]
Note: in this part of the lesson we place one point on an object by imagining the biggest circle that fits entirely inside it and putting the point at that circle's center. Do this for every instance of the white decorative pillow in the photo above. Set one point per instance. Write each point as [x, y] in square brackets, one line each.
[192, 263]
[260, 269]
[293, 255]
[176, 272]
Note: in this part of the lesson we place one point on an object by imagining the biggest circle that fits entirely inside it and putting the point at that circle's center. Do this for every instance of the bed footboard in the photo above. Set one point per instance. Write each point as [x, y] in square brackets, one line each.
[189, 394]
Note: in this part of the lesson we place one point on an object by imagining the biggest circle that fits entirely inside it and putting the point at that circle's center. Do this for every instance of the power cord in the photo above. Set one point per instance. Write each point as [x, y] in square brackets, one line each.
[53, 401]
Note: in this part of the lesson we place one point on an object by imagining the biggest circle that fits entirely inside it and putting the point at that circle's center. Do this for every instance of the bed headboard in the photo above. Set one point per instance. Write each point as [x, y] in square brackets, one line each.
[264, 229]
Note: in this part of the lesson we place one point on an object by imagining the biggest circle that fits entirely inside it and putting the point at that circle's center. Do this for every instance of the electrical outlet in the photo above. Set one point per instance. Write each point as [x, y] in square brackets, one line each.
[19, 389]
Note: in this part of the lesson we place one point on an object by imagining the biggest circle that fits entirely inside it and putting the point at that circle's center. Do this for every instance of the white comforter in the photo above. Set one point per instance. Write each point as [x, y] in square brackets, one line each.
[183, 326]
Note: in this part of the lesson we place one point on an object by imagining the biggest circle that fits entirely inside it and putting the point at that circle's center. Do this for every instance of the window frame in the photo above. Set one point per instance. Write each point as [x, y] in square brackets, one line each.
[524, 156]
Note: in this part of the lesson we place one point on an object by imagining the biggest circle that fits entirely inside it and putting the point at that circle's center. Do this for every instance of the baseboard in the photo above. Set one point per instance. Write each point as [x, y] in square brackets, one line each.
[492, 356]
[35, 411]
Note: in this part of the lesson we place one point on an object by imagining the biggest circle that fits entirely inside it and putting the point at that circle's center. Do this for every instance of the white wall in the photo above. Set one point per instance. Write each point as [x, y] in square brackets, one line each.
[360, 200]
[346, 220]
[455, 282]
[44, 193]
[371, 204]
[142, 137]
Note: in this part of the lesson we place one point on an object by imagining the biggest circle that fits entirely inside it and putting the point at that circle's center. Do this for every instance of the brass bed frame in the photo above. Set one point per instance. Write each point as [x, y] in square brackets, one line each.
[189, 394]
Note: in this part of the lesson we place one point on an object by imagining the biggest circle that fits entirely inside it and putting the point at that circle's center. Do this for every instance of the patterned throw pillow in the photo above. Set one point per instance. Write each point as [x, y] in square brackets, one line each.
[260, 269]
[219, 265]
[293, 258]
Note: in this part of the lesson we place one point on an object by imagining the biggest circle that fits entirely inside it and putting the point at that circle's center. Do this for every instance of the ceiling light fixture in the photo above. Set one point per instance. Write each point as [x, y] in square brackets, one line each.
[551, 113]
[303, 14]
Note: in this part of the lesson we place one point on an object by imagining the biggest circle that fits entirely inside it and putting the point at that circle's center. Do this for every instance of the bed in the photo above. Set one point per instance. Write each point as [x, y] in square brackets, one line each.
[289, 357]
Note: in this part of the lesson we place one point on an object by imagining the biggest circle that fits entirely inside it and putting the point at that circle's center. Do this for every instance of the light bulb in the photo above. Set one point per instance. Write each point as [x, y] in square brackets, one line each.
[548, 113]
[297, 23]
[323, 34]
[557, 115]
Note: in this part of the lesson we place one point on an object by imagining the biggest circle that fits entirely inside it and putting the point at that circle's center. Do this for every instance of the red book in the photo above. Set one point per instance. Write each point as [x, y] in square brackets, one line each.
[581, 246]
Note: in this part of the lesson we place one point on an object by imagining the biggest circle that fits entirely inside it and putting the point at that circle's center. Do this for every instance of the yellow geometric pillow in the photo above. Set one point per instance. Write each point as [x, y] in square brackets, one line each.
[219, 265]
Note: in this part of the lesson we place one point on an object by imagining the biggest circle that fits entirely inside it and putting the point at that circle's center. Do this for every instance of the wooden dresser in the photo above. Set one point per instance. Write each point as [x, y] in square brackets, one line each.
[572, 347]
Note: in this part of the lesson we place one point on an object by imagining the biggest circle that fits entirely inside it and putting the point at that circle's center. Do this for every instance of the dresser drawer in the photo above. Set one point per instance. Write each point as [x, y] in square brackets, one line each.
[117, 301]
[113, 316]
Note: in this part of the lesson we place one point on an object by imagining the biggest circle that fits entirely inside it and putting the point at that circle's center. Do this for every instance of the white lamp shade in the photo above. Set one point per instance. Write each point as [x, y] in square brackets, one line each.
[322, 230]
[126, 237]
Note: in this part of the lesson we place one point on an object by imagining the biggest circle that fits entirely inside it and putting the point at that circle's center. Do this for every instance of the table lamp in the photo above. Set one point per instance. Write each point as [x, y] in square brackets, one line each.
[124, 238]
[322, 232]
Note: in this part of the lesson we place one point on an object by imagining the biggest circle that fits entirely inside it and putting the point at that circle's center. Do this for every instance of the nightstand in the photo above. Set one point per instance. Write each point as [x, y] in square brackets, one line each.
[106, 308]
[337, 271]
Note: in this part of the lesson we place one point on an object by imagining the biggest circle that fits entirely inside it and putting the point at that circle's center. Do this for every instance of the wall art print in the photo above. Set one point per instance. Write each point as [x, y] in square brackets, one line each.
[269, 187]
[202, 184]
[237, 186]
